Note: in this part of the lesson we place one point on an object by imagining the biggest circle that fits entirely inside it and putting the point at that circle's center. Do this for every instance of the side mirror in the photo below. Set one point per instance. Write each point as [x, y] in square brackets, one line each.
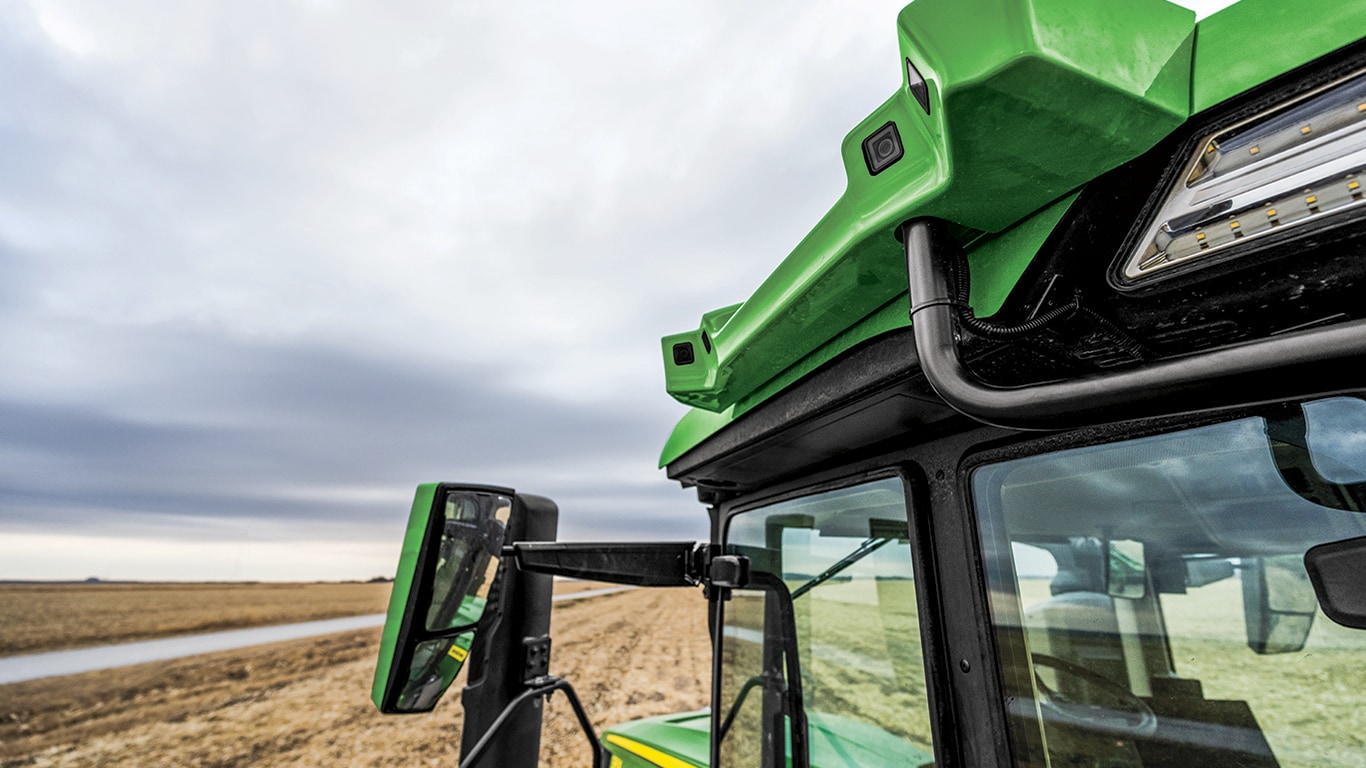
[1126, 569]
[451, 552]
[474, 582]
[1278, 603]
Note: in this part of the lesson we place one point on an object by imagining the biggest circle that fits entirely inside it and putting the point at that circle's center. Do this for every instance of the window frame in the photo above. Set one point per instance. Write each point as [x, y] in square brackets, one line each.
[918, 513]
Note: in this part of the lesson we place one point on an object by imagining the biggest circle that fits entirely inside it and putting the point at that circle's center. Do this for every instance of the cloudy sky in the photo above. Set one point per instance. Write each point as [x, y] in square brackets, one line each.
[265, 266]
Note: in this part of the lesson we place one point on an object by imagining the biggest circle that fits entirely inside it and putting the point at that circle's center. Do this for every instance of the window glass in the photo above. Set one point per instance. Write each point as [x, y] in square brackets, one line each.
[843, 559]
[1150, 601]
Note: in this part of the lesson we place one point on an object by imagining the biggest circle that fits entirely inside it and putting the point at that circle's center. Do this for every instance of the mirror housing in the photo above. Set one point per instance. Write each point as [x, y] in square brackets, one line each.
[1335, 568]
[1278, 603]
[443, 585]
[474, 582]
[456, 600]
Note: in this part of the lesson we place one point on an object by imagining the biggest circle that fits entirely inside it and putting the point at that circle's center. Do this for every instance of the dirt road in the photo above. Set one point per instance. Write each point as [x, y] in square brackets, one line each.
[306, 702]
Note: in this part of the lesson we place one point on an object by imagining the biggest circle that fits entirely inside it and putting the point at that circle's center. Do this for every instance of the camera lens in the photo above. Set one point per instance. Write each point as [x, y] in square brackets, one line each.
[882, 148]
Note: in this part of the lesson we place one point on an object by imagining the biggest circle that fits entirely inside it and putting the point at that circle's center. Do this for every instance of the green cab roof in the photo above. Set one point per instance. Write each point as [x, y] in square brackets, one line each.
[1019, 109]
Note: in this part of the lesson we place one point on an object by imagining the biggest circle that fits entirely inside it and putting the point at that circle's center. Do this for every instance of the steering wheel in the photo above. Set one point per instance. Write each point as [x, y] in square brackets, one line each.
[1130, 717]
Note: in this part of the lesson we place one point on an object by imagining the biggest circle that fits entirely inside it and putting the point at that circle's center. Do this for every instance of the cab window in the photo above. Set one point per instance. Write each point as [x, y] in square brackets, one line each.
[1150, 601]
[843, 560]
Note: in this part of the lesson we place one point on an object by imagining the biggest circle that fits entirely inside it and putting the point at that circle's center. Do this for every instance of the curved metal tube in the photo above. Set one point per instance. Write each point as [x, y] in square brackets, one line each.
[1318, 361]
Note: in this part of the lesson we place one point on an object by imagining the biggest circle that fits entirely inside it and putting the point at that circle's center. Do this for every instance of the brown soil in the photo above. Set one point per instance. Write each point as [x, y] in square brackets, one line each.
[50, 617]
[306, 702]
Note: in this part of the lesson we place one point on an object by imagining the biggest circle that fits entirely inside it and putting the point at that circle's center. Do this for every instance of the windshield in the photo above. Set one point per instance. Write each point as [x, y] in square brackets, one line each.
[1150, 601]
[843, 558]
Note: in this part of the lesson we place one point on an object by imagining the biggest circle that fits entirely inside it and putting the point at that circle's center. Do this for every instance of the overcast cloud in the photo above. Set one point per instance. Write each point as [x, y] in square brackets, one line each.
[268, 265]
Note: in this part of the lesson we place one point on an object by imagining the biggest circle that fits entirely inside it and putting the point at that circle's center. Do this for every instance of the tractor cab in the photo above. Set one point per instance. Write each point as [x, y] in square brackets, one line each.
[1045, 448]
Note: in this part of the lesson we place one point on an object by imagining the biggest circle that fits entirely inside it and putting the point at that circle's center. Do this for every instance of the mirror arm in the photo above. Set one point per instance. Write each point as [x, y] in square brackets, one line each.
[643, 564]
[542, 686]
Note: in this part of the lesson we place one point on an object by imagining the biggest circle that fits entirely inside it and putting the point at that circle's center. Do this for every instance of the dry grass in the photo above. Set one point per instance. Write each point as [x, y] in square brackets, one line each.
[49, 617]
[306, 702]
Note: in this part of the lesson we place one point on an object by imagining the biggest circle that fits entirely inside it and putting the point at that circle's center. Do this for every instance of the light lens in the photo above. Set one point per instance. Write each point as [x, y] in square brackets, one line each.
[1301, 163]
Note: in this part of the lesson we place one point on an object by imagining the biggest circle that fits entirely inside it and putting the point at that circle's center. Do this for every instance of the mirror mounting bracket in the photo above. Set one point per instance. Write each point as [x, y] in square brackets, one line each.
[535, 658]
[728, 572]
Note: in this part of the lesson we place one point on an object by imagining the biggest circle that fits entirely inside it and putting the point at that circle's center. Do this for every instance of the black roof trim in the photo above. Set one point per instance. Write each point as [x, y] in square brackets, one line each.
[854, 404]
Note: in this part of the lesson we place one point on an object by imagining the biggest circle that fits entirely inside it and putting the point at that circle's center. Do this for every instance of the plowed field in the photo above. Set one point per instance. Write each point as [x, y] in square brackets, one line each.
[48, 617]
[306, 702]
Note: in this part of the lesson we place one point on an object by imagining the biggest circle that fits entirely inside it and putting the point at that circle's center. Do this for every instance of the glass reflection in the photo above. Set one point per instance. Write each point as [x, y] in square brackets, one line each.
[434, 667]
[472, 532]
[845, 559]
[1215, 654]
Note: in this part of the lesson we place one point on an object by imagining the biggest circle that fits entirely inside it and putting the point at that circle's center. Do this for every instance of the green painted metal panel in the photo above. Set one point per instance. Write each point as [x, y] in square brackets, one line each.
[1026, 103]
[418, 520]
[1040, 96]
[995, 262]
[1253, 41]
[835, 740]
[686, 737]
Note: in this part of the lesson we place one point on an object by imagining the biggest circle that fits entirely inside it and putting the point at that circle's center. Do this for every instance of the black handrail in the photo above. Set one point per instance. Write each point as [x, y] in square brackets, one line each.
[1314, 362]
[543, 686]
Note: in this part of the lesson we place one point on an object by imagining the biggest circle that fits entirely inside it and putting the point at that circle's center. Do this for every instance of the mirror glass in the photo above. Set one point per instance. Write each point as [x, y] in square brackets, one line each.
[434, 667]
[450, 560]
[472, 530]
[1126, 569]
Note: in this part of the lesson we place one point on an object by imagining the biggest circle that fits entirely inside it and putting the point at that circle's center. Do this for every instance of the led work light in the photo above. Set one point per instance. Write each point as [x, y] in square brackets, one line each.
[1299, 164]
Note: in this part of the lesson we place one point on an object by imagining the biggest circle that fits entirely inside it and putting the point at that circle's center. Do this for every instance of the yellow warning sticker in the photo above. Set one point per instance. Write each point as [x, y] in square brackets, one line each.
[457, 653]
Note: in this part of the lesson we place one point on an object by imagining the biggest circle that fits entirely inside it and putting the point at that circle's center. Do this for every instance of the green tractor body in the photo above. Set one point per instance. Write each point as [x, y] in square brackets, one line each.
[1046, 446]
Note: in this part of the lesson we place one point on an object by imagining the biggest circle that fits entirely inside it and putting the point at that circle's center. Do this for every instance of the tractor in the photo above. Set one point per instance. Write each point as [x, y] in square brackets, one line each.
[1046, 447]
